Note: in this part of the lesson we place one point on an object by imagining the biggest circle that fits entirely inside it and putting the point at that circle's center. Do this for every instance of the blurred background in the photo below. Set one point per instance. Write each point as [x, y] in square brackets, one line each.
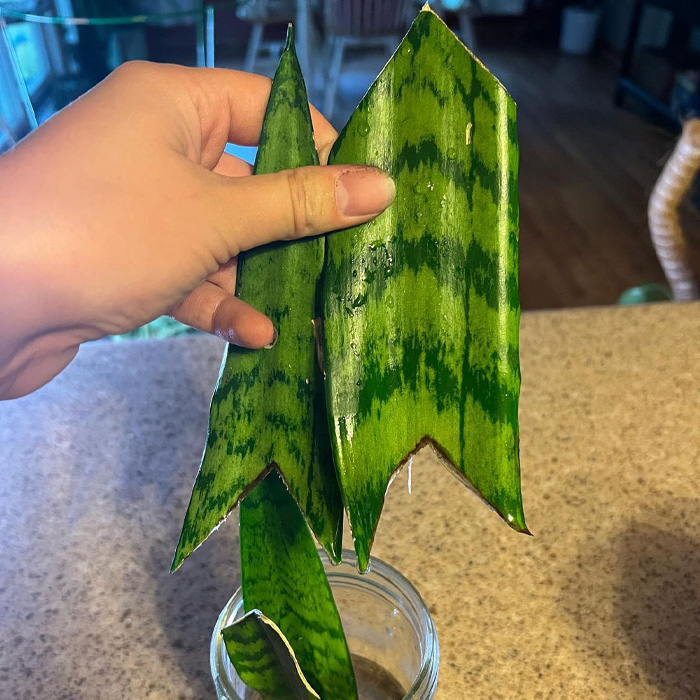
[603, 88]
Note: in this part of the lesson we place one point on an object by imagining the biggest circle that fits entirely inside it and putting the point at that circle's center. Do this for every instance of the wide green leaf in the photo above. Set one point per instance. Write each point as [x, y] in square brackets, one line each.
[268, 408]
[283, 577]
[264, 660]
[421, 306]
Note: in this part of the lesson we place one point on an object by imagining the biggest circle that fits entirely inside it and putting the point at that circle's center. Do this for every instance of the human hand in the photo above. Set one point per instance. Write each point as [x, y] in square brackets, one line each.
[124, 207]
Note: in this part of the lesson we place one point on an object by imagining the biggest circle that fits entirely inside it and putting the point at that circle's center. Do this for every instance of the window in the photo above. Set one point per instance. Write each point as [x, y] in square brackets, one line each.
[23, 47]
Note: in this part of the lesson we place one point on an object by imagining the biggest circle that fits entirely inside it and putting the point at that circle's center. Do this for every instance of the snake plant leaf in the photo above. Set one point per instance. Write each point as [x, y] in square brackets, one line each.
[421, 305]
[268, 407]
[283, 577]
[264, 659]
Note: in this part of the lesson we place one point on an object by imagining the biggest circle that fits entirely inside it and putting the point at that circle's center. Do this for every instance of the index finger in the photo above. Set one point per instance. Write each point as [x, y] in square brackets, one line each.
[231, 106]
[324, 134]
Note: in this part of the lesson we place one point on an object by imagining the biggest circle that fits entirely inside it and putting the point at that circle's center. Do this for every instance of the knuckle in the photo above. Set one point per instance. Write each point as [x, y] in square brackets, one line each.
[325, 144]
[131, 70]
[301, 198]
[146, 74]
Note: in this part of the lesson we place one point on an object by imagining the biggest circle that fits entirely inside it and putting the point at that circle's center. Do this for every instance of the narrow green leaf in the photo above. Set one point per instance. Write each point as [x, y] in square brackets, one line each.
[421, 306]
[268, 407]
[283, 577]
[264, 660]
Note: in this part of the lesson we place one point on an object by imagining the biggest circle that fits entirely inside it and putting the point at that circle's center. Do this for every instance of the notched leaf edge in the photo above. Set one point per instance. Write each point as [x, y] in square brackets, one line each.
[333, 555]
[450, 466]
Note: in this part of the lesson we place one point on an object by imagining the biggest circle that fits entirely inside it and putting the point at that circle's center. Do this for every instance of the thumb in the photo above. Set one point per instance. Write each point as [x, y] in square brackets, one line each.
[290, 204]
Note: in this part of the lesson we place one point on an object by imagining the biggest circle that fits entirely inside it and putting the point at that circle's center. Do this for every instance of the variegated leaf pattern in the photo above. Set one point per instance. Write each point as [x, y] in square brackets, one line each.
[268, 408]
[264, 660]
[421, 305]
[283, 577]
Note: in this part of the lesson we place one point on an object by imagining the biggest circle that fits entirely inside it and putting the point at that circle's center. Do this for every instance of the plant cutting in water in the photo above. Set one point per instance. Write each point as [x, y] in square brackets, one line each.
[419, 333]
[283, 579]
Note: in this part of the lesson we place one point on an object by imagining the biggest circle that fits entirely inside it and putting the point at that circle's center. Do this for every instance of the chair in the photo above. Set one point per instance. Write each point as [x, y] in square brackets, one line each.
[466, 11]
[261, 13]
[359, 23]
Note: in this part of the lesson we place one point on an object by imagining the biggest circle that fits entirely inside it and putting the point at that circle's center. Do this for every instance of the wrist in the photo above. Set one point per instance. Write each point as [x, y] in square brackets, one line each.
[36, 342]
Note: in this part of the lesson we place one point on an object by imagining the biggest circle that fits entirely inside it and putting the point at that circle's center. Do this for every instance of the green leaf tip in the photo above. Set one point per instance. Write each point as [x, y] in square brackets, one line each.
[421, 305]
[289, 43]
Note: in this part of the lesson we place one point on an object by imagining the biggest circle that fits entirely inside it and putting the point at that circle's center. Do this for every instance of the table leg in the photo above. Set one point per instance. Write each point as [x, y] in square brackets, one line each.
[628, 53]
[209, 40]
[302, 35]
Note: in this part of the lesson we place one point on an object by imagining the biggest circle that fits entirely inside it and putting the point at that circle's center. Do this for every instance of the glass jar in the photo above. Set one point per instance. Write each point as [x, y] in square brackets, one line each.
[392, 638]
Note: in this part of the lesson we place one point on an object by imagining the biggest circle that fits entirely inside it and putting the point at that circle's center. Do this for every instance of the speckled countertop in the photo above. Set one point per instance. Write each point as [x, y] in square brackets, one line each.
[604, 601]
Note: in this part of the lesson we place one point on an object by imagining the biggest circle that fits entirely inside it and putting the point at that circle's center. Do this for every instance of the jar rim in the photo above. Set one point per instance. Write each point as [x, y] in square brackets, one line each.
[425, 682]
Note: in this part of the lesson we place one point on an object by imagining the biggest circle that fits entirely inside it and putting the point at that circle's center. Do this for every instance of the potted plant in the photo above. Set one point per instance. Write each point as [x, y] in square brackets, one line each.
[579, 27]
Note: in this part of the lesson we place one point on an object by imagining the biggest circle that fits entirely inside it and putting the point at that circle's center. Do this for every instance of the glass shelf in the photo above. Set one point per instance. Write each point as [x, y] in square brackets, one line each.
[49, 57]
[13, 11]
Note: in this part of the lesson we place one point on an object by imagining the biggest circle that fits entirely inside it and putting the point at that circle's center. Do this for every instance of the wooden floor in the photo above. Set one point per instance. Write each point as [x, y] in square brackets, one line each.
[586, 172]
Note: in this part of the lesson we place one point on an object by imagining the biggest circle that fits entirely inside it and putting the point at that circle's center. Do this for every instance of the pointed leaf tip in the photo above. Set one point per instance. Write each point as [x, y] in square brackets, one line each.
[289, 44]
